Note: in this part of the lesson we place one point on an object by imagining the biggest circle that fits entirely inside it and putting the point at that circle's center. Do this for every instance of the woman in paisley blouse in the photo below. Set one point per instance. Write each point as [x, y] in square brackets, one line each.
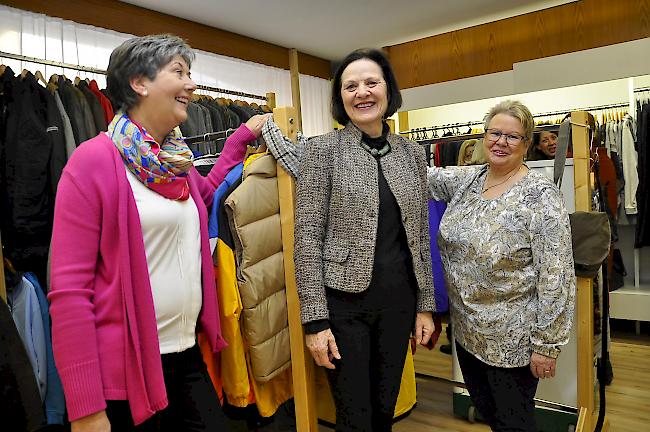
[505, 243]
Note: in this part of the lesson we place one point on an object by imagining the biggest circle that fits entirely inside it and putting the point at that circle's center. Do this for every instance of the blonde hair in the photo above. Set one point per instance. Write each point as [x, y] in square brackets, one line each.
[463, 150]
[514, 109]
[478, 156]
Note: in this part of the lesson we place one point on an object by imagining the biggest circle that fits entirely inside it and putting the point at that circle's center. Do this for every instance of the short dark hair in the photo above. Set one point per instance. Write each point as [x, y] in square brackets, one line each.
[392, 89]
[141, 56]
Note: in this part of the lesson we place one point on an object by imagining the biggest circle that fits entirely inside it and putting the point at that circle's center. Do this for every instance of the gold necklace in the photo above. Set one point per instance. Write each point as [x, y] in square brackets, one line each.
[500, 183]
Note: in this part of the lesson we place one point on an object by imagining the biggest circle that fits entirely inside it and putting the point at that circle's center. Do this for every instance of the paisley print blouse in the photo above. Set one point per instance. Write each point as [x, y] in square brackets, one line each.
[508, 265]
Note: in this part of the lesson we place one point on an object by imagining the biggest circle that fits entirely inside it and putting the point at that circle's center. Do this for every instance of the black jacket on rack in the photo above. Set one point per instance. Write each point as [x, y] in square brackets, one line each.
[642, 237]
[74, 109]
[95, 107]
[28, 183]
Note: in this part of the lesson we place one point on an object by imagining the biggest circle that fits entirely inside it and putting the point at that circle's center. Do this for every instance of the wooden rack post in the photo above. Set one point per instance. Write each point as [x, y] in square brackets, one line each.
[584, 286]
[301, 362]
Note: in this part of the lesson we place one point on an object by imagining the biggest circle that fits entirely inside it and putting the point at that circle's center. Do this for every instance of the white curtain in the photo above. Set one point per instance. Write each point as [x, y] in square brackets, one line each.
[44, 37]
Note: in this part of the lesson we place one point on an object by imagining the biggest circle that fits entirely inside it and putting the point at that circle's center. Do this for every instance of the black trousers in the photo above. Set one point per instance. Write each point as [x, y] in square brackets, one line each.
[372, 344]
[505, 397]
[193, 401]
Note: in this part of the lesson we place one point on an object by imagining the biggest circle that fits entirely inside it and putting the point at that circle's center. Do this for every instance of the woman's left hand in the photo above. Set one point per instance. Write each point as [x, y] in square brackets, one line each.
[423, 327]
[255, 123]
[541, 366]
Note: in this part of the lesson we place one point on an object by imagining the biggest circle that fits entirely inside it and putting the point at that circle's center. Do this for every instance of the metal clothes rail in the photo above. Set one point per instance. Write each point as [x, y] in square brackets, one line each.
[103, 72]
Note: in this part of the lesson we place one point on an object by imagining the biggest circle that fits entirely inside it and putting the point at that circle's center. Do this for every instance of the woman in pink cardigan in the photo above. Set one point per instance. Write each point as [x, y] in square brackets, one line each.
[131, 271]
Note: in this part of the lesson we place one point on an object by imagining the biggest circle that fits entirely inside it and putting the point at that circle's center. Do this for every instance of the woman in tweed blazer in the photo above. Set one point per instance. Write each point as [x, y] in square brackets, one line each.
[363, 263]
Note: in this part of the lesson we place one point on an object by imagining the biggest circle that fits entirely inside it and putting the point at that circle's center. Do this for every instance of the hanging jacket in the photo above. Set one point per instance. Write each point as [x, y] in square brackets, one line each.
[436, 211]
[96, 110]
[254, 214]
[54, 398]
[107, 108]
[237, 382]
[21, 401]
[26, 312]
[27, 184]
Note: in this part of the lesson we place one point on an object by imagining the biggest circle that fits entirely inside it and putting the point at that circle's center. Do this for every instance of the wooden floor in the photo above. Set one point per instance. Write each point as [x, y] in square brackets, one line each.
[628, 397]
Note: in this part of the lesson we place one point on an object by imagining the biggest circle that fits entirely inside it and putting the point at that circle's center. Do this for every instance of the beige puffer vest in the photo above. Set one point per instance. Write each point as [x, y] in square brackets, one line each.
[254, 215]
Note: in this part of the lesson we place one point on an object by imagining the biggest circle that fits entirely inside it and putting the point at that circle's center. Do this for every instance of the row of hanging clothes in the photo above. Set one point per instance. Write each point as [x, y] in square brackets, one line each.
[32, 393]
[450, 145]
[41, 124]
[207, 114]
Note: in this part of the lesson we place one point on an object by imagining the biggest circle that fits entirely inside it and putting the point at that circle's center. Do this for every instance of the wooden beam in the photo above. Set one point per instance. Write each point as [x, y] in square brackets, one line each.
[295, 85]
[301, 362]
[584, 286]
[497, 46]
[127, 18]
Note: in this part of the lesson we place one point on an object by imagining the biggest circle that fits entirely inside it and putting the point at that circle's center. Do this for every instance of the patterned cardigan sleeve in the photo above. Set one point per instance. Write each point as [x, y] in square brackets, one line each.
[553, 261]
[313, 188]
[445, 182]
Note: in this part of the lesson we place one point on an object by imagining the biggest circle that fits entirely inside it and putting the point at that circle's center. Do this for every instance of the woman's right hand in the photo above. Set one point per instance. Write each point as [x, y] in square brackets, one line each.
[323, 348]
[256, 122]
[97, 422]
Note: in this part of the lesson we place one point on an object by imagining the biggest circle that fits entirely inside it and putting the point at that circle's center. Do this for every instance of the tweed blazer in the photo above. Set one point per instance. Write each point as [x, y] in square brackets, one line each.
[337, 206]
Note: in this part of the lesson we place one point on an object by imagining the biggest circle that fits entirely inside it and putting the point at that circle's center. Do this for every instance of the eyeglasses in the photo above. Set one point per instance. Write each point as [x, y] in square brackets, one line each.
[370, 83]
[494, 135]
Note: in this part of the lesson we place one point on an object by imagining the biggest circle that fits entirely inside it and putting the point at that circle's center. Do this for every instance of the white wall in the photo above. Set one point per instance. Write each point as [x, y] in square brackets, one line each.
[605, 68]
[567, 99]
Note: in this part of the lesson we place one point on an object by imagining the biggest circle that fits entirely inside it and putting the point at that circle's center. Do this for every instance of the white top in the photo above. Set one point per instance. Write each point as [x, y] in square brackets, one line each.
[172, 244]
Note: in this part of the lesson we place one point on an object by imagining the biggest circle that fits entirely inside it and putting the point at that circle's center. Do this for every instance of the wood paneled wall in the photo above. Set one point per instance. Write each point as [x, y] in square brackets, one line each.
[496, 46]
[127, 18]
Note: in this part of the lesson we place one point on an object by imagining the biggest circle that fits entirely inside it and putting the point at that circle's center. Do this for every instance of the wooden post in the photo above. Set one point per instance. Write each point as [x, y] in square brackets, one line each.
[295, 86]
[3, 288]
[584, 286]
[270, 100]
[301, 361]
[403, 117]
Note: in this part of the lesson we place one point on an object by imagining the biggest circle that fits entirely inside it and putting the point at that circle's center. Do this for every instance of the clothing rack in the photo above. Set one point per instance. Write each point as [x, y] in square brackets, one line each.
[210, 136]
[51, 63]
[463, 137]
[103, 72]
[546, 114]
[641, 89]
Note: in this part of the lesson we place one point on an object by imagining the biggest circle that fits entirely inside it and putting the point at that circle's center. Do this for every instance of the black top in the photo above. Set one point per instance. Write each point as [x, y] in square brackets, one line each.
[392, 285]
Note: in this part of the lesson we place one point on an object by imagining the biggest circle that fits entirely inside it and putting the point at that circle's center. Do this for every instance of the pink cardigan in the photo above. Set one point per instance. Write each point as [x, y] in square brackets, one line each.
[104, 330]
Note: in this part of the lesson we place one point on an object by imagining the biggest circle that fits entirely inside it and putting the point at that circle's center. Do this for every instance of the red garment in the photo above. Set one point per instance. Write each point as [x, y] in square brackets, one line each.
[103, 100]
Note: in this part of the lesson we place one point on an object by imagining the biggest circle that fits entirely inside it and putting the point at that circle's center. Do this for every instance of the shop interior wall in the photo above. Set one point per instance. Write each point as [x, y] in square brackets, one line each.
[130, 19]
[497, 46]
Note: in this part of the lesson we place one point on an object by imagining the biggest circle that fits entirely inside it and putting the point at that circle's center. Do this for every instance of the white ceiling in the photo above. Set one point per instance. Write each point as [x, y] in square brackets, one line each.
[331, 29]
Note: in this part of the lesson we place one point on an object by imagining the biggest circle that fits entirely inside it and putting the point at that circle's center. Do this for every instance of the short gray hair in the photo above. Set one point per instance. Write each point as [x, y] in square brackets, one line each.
[141, 57]
[514, 109]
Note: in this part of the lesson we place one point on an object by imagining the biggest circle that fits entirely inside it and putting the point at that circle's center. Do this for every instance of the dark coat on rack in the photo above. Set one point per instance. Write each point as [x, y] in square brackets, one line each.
[642, 237]
[95, 106]
[21, 405]
[27, 200]
[74, 110]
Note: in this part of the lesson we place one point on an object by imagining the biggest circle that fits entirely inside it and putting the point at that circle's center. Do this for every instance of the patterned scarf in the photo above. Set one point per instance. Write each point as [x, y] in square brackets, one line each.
[161, 168]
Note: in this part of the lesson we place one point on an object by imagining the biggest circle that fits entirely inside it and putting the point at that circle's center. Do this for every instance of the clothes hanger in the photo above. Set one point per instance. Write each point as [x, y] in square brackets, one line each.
[39, 76]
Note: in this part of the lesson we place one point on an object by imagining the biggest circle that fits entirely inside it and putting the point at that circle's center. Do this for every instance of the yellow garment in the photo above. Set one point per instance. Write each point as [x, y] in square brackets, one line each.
[405, 401]
[234, 374]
